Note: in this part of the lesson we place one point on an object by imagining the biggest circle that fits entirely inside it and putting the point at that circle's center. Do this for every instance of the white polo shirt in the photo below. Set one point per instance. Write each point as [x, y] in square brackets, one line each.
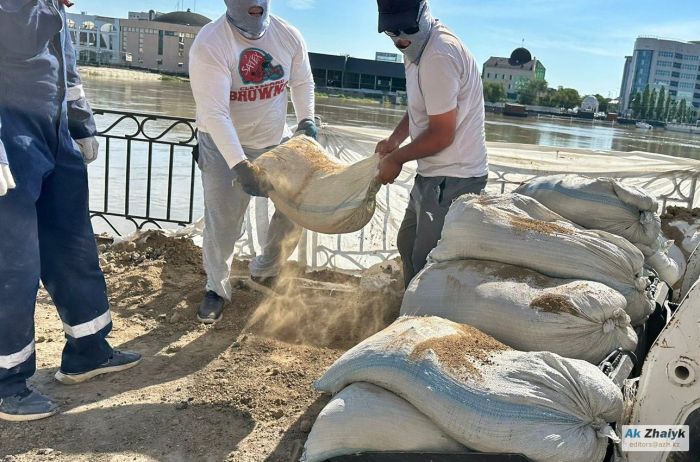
[446, 78]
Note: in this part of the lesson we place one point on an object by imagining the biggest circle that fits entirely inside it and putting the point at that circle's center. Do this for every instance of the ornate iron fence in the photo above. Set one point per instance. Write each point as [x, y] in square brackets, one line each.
[155, 152]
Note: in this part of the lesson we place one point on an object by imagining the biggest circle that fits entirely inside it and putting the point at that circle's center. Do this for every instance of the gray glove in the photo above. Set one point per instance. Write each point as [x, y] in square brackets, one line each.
[252, 179]
[7, 182]
[89, 148]
[307, 127]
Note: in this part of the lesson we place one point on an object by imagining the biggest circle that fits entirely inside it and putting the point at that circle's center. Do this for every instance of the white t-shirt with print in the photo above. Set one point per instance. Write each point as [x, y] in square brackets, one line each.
[447, 77]
[240, 85]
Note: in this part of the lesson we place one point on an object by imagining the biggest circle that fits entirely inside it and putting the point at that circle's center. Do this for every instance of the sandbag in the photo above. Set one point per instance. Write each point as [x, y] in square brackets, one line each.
[317, 193]
[485, 395]
[524, 309]
[366, 418]
[518, 230]
[666, 259]
[599, 203]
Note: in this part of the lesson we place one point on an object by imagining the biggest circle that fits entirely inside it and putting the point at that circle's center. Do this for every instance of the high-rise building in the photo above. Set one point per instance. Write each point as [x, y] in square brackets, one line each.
[658, 63]
[514, 72]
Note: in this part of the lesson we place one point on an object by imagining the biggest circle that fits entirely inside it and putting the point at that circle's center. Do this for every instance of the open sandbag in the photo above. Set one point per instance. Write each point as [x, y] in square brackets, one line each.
[366, 418]
[599, 203]
[316, 192]
[518, 230]
[524, 309]
[666, 259]
[485, 395]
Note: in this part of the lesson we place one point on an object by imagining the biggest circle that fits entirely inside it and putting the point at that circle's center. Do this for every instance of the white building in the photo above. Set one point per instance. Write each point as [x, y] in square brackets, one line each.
[514, 72]
[658, 63]
[95, 38]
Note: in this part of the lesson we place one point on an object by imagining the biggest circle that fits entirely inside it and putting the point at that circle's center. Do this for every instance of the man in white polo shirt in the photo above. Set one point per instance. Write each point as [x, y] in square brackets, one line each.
[445, 120]
[241, 67]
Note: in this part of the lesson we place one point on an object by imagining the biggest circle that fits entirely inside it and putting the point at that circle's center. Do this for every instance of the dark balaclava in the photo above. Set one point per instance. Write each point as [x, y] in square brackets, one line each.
[251, 27]
[420, 39]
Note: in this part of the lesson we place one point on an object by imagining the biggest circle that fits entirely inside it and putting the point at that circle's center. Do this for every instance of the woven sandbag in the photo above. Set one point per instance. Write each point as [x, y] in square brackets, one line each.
[318, 193]
[524, 309]
[366, 418]
[599, 203]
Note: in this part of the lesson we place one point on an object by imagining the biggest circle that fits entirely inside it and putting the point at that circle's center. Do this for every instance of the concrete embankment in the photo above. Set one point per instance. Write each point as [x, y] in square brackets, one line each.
[124, 74]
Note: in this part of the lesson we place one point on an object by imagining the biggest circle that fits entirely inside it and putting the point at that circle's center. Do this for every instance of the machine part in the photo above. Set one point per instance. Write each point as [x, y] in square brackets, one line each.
[692, 273]
[669, 389]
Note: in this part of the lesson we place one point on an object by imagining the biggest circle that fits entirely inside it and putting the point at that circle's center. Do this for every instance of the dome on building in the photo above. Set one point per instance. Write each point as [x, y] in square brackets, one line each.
[184, 18]
[519, 56]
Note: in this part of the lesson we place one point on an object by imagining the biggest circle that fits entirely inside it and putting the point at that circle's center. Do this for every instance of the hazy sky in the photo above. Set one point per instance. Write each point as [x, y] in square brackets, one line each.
[582, 43]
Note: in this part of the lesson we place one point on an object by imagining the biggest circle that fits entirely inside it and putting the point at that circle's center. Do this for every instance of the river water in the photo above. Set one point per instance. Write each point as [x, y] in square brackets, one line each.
[174, 98]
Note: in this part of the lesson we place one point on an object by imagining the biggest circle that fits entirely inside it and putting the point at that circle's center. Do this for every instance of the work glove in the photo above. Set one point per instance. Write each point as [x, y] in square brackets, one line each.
[89, 148]
[252, 179]
[7, 182]
[307, 127]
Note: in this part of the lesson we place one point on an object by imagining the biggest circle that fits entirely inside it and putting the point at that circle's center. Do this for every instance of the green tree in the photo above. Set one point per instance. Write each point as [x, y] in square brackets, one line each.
[602, 102]
[667, 108]
[682, 109]
[531, 91]
[673, 111]
[651, 110]
[643, 113]
[566, 97]
[660, 104]
[636, 105]
[494, 92]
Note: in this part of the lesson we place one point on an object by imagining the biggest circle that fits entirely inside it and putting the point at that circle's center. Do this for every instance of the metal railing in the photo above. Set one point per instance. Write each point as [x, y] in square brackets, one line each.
[147, 176]
[142, 141]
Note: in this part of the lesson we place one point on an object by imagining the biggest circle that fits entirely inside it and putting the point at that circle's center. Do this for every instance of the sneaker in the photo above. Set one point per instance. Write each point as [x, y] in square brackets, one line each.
[264, 284]
[119, 361]
[211, 309]
[26, 406]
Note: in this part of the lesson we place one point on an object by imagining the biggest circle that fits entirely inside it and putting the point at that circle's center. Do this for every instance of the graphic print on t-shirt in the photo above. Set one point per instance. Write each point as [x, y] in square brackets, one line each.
[255, 67]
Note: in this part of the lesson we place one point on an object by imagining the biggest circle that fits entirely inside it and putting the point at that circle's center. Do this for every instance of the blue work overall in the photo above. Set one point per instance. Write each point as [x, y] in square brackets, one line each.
[45, 229]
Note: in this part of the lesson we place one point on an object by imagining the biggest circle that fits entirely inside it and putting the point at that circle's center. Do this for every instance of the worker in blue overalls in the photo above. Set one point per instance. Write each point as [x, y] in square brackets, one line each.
[45, 229]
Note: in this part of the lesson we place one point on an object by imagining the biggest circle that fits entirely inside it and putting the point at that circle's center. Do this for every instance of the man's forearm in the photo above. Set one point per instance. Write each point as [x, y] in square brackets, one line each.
[427, 144]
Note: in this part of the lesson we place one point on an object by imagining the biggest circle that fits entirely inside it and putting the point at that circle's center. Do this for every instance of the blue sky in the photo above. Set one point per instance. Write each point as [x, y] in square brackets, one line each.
[582, 43]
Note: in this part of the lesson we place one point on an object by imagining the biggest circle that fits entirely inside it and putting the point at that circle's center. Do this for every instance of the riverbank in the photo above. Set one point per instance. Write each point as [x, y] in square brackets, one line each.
[117, 73]
[240, 390]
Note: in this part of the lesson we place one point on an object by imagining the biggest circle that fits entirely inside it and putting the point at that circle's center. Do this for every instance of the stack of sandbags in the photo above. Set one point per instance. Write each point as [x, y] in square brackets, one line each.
[524, 309]
[485, 395]
[609, 205]
[317, 193]
[666, 258]
[518, 230]
[366, 418]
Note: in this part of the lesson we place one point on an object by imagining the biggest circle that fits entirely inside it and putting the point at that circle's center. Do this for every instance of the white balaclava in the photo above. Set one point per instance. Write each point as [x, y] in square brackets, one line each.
[251, 27]
[420, 39]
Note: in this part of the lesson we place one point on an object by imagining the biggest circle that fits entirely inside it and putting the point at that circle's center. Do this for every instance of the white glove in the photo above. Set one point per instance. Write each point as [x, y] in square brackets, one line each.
[89, 148]
[7, 182]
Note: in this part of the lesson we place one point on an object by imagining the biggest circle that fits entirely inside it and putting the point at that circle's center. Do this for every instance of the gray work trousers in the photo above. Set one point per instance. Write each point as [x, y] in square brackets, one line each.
[421, 228]
[225, 205]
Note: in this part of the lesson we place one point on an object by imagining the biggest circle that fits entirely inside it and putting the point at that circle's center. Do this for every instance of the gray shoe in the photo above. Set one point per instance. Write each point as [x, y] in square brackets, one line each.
[119, 361]
[265, 284]
[211, 309]
[26, 406]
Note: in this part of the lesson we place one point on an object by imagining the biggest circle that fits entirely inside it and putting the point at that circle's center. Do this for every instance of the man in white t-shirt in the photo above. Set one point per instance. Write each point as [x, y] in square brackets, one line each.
[445, 120]
[241, 66]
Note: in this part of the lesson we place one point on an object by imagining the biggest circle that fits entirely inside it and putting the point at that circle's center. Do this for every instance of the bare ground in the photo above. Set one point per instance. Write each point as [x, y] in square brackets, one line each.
[240, 390]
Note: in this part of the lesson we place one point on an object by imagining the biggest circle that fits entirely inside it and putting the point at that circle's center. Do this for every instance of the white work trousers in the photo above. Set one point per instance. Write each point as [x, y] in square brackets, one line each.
[225, 205]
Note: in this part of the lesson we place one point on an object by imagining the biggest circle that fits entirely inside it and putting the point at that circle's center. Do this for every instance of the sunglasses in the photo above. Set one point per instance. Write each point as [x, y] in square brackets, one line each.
[408, 31]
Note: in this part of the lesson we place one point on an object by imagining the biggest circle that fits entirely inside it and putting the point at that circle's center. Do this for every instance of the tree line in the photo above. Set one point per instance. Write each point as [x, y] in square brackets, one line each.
[538, 93]
[658, 106]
